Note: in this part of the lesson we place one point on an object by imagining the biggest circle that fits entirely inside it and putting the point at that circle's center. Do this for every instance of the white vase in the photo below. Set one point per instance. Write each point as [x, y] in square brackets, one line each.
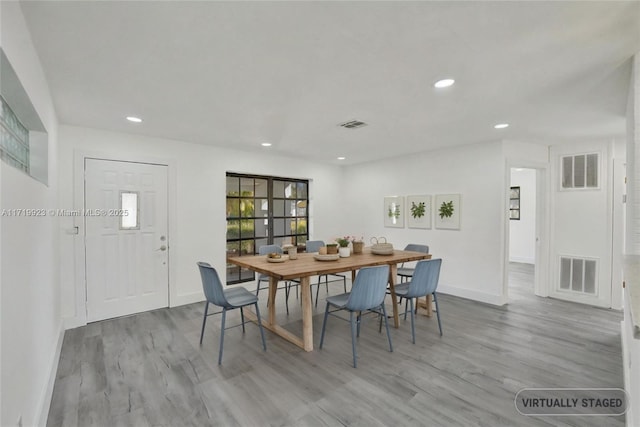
[344, 252]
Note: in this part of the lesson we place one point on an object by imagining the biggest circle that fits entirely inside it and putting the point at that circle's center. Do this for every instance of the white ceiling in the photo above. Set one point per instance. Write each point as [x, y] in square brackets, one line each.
[236, 74]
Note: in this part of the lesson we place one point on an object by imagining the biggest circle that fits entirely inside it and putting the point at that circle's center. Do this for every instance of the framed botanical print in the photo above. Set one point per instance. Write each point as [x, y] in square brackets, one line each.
[419, 211]
[394, 211]
[447, 211]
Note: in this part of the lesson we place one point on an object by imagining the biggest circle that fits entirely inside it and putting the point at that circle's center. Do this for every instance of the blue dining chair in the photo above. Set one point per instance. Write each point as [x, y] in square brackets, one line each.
[407, 272]
[367, 294]
[264, 250]
[227, 299]
[424, 282]
[314, 246]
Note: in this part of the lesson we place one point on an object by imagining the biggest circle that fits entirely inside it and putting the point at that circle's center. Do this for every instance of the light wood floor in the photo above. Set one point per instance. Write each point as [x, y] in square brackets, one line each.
[148, 369]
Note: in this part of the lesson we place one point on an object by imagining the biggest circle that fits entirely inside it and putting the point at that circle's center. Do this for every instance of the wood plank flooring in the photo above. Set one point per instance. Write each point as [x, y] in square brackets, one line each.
[148, 369]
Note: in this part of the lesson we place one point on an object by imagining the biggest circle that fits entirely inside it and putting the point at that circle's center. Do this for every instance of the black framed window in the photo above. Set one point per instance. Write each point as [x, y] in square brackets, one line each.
[263, 210]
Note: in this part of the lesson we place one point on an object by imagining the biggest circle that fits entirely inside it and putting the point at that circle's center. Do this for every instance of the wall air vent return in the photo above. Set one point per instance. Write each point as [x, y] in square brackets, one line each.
[353, 124]
[578, 275]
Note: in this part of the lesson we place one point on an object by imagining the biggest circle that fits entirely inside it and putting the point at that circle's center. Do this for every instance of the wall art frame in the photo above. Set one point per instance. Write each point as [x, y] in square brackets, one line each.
[447, 211]
[419, 211]
[394, 211]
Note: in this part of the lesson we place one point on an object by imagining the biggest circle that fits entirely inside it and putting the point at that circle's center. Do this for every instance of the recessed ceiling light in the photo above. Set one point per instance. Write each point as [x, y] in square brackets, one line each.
[341, 158]
[501, 125]
[266, 144]
[134, 119]
[444, 83]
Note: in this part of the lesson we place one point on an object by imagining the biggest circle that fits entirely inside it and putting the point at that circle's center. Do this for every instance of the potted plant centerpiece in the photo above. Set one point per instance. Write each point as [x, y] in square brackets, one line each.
[344, 250]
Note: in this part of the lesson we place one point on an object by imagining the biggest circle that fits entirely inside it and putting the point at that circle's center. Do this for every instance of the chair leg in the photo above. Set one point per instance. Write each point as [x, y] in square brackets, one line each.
[264, 343]
[324, 324]
[353, 339]
[413, 326]
[386, 324]
[204, 320]
[317, 290]
[405, 308]
[435, 300]
[287, 291]
[358, 321]
[224, 317]
[242, 318]
[258, 287]
[344, 283]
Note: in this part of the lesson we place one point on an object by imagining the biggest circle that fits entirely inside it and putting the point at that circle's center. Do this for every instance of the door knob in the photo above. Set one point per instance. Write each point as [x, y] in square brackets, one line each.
[162, 248]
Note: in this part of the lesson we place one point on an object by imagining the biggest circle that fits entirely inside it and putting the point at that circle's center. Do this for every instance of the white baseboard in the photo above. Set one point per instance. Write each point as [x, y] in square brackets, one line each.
[523, 260]
[179, 300]
[73, 322]
[45, 399]
[470, 294]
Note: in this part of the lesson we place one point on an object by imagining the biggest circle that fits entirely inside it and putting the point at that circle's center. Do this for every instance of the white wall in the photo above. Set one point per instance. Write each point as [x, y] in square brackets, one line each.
[198, 189]
[522, 233]
[473, 257]
[30, 314]
[631, 345]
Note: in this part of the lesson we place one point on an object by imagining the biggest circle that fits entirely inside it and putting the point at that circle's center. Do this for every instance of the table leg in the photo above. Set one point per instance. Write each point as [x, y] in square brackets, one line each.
[393, 271]
[307, 314]
[428, 305]
[270, 324]
[273, 286]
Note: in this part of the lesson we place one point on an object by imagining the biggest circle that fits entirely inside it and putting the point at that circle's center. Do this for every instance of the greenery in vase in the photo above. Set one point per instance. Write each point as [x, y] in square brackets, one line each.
[446, 209]
[417, 211]
[343, 242]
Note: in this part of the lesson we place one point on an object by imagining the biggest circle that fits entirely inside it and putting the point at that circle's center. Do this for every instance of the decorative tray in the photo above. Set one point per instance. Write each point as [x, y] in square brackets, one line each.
[329, 257]
[281, 259]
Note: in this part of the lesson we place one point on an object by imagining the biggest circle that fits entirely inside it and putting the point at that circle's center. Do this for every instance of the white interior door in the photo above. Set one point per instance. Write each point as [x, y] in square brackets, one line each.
[582, 223]
[126, 238]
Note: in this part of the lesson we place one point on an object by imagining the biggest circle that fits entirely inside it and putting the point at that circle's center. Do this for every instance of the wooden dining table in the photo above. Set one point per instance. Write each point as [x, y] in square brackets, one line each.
[306, 266]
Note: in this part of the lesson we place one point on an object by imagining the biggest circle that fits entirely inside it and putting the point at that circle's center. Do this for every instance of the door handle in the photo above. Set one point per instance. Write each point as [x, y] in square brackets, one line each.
[162, 248]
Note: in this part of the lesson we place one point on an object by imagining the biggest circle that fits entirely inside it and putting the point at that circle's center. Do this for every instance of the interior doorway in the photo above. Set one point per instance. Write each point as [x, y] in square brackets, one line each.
[522, 232]
[527, 242]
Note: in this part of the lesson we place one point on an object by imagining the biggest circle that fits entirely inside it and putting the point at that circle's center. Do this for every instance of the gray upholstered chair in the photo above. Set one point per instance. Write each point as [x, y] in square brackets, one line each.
[406, 272]
[264, 250]
[228, 299]
[314, 246]
[367, 294]
[424, 282]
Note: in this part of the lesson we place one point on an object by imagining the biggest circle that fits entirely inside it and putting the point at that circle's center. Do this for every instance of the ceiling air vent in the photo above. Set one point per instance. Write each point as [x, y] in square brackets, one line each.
[353, 124]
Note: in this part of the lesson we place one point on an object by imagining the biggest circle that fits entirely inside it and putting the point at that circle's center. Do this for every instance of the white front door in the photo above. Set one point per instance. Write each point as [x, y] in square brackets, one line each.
[126, 238]
[581, 223]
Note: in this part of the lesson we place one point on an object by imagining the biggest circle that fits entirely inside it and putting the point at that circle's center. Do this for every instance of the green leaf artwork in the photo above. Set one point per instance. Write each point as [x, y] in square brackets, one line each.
[446, 209]
[394, 211]
[417, 211]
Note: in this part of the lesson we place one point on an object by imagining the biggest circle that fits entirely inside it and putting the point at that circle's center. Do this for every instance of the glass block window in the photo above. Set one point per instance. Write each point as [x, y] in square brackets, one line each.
[14, 139]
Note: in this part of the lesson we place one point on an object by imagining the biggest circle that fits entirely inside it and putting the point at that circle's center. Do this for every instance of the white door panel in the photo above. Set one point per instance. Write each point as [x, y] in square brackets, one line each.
[581, 231]
[126, 268]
